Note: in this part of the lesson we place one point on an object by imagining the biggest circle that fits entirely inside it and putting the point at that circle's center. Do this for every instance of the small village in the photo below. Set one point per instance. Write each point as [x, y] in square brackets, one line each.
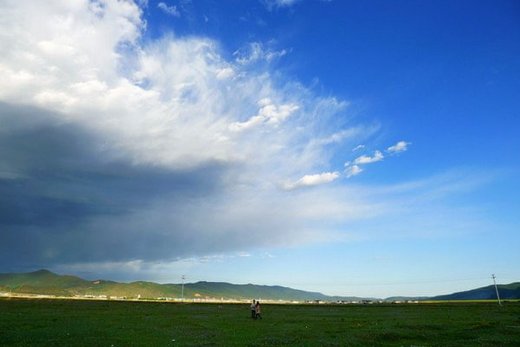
[202, 300]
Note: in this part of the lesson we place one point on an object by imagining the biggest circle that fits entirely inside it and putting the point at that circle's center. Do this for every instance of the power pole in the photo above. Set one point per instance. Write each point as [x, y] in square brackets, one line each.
[182, 290]
[496, 289]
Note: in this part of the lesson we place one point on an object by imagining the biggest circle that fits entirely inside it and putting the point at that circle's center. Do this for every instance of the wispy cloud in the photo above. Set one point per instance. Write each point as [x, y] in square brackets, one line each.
[170, 10]
[365, 159]
[269, 114]
[270, 4]
[225, 73]
[313, 180]
[400, 146]
[352, 170]
[256, 51]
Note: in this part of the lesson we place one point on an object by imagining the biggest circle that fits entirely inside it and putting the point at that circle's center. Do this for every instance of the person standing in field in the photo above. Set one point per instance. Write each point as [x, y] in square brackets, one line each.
[258, 311]
[253, 310]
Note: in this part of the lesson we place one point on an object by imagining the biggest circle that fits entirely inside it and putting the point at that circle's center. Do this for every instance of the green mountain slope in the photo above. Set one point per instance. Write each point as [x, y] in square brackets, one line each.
[506, 291]
[46, 282]
[41, 282]
[246, 291]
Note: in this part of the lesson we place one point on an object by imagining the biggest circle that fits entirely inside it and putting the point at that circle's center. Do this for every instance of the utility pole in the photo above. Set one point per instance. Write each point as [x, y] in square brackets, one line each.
[182, 290]
[496, 289]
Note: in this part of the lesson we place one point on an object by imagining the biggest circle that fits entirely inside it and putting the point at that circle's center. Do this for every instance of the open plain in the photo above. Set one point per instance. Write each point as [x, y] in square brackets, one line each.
[116, 323]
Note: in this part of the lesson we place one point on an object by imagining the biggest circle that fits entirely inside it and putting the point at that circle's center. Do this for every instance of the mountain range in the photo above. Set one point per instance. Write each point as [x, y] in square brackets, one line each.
[49, 283]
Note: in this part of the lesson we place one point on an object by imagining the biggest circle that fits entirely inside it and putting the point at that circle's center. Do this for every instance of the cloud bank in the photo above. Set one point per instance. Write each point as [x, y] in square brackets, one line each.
[117, 150]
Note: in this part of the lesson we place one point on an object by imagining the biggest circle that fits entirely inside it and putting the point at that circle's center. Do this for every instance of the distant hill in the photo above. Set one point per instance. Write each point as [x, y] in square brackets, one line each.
[246, 291]
[506, 291]
[41, 282]
[46, 282]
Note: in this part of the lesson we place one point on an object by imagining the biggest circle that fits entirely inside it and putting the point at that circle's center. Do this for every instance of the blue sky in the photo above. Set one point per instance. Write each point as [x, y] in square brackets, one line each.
[353, 148]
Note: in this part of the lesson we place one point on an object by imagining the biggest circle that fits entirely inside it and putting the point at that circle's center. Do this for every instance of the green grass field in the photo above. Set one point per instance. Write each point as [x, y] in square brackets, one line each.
[110, 323]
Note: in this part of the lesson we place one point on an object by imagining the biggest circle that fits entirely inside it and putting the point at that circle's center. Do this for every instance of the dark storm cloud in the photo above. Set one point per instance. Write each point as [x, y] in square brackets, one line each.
[64, 199]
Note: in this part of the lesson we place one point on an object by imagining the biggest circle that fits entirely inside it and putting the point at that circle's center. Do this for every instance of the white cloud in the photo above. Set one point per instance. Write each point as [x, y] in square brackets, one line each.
[313, 180]
[225, 73]
[338, 137]
[400, 146]
[269, 113]
[175, 105]
[364, 159]
[256, 51]
[170, 10]
[352, 170]
[270, 4]
[250, 123]
[172, 104]
[285, 2]
[167, 106]
[272, 55]
[274, 114]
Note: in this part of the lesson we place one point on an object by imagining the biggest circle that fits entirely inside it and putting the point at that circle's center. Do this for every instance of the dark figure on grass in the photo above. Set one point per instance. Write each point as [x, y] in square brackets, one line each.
[253, 310]
[258, 313]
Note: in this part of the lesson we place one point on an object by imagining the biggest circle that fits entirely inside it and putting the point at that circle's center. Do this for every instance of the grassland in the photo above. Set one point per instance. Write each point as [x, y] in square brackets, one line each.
[111, 323]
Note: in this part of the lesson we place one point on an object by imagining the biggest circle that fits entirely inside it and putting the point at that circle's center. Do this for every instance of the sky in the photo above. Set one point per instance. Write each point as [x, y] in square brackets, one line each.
[363, 148]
